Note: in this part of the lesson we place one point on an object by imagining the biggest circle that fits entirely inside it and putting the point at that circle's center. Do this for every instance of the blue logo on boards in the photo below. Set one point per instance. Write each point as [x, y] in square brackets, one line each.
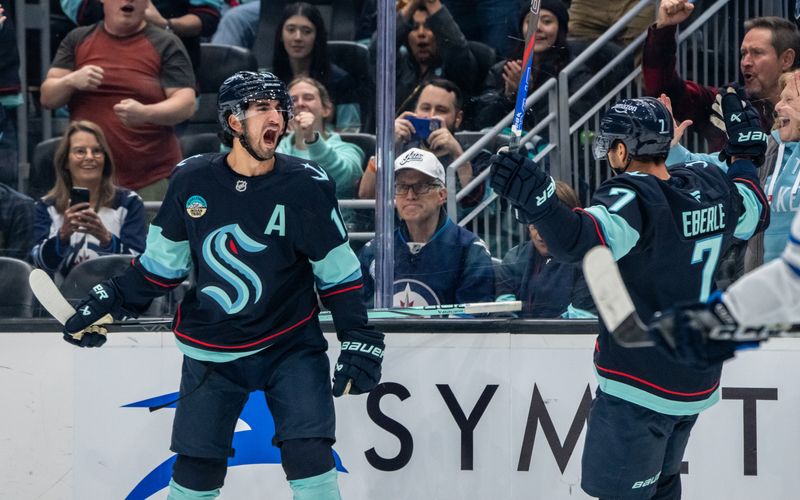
[252, 446]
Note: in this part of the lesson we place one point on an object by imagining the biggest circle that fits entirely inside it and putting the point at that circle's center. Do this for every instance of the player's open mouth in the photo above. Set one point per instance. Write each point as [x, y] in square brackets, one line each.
[271, 136]
[782, 121]
[128, 9]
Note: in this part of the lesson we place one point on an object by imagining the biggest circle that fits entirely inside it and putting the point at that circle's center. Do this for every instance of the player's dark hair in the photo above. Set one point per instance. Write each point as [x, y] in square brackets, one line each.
[449, 86]
[785, 34]
[320, 68]
[63, 179]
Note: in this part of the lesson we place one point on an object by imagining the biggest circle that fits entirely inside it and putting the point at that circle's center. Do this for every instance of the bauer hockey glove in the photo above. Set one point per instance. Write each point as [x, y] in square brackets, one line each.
[80, 328]
[358, 369]
[523, 183]
[746, 137]
[698, 335]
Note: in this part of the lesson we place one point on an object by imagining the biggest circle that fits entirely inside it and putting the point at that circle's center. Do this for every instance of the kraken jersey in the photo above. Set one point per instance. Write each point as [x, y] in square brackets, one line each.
[255, 247]
[667, 236]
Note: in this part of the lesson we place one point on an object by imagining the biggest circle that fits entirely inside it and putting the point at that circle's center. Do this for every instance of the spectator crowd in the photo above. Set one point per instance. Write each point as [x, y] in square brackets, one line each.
[127, 80]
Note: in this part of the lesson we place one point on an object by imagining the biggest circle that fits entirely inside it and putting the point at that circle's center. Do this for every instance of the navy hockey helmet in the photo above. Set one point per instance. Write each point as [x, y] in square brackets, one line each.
[247, 86]
[644, 125]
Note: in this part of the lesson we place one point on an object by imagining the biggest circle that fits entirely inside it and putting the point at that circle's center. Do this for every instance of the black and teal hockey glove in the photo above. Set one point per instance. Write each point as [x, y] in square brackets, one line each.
[523, 183]
[358, 369]
[746, 137]
[80, 328]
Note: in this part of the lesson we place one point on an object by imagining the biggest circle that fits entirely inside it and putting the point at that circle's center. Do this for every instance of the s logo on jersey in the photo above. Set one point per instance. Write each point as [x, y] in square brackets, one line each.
[220, 250]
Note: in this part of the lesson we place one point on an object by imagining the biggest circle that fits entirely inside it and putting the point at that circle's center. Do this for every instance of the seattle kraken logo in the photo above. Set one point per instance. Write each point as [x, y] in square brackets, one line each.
[225, 243]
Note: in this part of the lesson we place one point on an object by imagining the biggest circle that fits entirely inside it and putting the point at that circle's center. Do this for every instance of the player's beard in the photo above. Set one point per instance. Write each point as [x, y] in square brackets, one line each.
[255, 143]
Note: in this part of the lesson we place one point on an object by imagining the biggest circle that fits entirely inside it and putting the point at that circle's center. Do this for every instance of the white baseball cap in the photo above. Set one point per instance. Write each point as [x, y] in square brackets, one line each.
[421, 161]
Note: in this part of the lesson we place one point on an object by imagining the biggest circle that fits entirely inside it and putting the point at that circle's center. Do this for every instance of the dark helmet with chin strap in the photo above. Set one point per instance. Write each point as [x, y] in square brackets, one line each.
[644, 125]
[244, 87]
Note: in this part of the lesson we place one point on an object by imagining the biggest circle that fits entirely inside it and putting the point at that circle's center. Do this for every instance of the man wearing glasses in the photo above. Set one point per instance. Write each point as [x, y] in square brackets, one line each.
[436, 261]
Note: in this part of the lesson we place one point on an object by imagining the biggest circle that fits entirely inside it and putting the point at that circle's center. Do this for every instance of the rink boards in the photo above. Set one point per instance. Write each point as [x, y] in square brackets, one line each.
[459, 416]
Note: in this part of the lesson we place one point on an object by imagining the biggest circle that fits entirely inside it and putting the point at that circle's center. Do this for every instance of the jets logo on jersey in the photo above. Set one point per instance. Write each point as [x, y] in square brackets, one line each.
[196, 206]
[221, 249]
[410, 293]
[321, 175]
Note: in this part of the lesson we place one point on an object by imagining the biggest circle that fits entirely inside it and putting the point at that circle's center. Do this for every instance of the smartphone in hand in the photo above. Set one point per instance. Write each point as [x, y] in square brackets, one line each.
[78, 195]
[423, 127]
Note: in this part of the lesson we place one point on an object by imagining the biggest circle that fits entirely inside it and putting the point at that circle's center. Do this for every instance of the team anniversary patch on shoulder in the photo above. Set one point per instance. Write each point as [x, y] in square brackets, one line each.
[196, 206]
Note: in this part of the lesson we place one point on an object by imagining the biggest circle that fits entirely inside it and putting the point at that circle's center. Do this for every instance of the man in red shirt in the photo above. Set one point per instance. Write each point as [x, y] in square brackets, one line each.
[136, 81]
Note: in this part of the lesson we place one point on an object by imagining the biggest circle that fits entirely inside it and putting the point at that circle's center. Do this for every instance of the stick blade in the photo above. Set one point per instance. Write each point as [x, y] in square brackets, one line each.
[612, 299]
[48, 294]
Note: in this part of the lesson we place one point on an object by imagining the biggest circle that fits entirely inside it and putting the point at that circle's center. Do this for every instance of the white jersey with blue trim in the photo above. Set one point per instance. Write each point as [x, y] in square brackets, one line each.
[771, 293]
[256, 248]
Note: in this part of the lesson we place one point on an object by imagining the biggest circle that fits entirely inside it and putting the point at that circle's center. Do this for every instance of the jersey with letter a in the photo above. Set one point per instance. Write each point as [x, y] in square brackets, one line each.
[255, 247]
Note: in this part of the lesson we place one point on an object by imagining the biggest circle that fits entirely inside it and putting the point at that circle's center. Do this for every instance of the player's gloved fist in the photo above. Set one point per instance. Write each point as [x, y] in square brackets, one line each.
[746, 137]
[693, 334]
[79, 329]
[520, 181]
[358, 369]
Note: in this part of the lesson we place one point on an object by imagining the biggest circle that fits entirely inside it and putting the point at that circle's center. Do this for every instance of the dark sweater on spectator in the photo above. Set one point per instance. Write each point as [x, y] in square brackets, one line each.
[690, 100]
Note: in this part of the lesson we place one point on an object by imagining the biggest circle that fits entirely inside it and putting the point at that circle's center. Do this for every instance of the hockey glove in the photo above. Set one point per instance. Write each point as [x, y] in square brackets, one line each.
[80, 328]
[520, 181]
[746, 138]
[358, 369]
[694, 334]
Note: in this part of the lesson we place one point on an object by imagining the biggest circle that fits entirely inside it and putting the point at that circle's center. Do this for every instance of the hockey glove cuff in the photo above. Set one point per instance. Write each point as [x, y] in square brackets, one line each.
[746, 137]
[359, 365]
[523, 183]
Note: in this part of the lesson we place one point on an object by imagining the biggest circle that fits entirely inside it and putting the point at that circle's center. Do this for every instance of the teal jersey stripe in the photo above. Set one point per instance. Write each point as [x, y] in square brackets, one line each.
[321, 487]
[339, 266]
[213, 356]
[164, 257]
[573, 312]
[620, 236]
[748, 221]
[653, 402]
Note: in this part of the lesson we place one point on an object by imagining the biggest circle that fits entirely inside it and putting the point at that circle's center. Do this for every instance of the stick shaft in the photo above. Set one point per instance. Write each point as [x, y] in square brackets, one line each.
[527, 63]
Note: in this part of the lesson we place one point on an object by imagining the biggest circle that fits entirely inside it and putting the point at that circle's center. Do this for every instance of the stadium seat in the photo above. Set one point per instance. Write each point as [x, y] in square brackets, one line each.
[354, 58]
[42, 174]
[16, 297]
[195, 144]
[85, 275]
[219, 62]
[339, 17]
[366, 142]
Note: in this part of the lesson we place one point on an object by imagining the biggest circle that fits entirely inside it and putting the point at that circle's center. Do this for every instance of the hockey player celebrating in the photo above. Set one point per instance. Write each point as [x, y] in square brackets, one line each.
[747, 312]
[667, 229]
[256, 230]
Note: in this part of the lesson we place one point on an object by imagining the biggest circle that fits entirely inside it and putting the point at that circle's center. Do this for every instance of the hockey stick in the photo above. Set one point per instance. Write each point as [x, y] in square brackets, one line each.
[612, 299]
[621, 319]
[527, 64]
[437, 310]
[48, 294]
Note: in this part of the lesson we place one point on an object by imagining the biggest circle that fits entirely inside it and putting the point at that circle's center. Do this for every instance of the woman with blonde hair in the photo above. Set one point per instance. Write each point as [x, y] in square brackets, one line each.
[85, 214]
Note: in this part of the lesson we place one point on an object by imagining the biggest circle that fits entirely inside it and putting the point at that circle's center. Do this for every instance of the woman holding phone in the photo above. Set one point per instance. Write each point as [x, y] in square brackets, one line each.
[85, 215]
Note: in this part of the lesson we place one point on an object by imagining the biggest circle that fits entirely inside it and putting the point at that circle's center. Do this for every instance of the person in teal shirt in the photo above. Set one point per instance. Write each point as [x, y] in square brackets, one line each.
[312, 137]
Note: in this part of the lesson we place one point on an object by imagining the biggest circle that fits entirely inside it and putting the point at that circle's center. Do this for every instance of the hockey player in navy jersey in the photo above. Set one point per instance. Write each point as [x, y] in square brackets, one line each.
[768, 295]
[667, 229]
[256, 231]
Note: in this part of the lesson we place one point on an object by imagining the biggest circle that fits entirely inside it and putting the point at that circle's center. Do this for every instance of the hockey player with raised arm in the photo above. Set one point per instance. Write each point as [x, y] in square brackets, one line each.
[258, 232]
[666, 227]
